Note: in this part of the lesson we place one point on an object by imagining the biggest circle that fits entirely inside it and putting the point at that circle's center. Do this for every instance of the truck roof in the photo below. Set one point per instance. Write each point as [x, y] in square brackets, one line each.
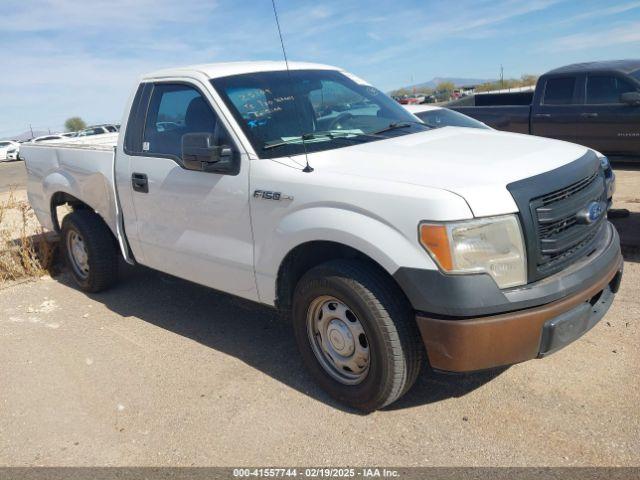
[623, 66]
[215, 70]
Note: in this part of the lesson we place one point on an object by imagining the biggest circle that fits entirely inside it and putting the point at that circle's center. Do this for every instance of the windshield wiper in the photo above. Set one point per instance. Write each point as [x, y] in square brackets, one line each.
[346, 135]
[396, 125]
[311, 136]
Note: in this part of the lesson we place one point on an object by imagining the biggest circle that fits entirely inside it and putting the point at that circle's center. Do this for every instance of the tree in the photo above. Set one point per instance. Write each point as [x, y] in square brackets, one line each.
[445, 87]
[528, 79]
[74, 124]
[525, 81]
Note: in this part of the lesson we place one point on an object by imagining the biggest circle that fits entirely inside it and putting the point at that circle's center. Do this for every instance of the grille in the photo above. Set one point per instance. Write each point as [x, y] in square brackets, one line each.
[561, 237]
[567, 192]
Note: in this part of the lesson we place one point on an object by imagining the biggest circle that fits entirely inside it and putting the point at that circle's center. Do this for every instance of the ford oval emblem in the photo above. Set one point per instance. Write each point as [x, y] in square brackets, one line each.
[591, 213]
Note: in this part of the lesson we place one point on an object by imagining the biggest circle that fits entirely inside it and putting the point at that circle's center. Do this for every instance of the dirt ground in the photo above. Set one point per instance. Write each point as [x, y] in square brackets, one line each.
[12, 175]
[159, 371]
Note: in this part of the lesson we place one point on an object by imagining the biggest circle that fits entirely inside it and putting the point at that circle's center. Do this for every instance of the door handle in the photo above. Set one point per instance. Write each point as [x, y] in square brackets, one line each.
[140, 182]
[589, 115]
[543, 115]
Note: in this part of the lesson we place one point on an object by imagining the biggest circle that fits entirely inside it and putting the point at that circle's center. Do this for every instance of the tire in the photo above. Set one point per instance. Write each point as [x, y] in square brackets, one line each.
[99, 268]
[377, 305]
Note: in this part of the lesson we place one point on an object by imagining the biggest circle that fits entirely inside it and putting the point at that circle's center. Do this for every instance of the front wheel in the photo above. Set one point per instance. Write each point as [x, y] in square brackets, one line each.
[89, 250]
[356, 333]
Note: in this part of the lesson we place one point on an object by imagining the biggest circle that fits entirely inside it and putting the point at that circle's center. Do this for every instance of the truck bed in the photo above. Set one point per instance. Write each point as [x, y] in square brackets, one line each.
[83, 171]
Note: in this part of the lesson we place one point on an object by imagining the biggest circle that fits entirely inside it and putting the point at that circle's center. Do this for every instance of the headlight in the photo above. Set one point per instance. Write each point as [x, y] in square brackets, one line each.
[604, 163]
[492, 245]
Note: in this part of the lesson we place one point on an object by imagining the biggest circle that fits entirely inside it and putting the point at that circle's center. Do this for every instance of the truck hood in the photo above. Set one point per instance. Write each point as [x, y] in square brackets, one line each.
[473, 163]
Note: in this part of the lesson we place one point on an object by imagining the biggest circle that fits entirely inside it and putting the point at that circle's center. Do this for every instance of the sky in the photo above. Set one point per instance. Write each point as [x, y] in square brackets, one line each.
[62, 58]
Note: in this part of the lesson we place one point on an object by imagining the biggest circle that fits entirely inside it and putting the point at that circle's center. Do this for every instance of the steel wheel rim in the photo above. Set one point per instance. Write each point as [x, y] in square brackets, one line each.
[338, 340]
[78, 254]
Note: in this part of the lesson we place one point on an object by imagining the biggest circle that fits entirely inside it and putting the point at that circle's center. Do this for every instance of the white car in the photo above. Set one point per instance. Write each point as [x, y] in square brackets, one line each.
[438, 117]
[48, 138]
[13, 153]
[8, 149]
[381, 239]
[98, 130]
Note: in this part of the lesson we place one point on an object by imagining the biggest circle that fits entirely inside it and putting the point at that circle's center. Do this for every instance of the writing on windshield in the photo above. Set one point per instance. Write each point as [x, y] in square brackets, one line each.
[321, 107]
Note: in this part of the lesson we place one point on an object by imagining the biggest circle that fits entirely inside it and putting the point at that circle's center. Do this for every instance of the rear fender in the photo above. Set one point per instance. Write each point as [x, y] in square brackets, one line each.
[92, 192]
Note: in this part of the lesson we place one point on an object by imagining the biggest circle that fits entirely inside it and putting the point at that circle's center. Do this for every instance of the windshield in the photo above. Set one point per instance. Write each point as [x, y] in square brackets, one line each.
[4, 144]
[330, 110]
[443, 117]
[636, 75]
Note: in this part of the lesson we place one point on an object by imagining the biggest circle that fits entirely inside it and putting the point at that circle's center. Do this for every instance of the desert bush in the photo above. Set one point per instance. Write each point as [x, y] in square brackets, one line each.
[24, 247]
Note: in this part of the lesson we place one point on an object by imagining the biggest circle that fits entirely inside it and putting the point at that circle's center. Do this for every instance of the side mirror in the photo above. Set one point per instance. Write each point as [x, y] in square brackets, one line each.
[630, 98]
[200, 153]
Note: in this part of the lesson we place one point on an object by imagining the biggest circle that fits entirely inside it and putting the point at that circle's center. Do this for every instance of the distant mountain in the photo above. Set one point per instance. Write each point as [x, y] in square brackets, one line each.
[26, 135]
[458, 82]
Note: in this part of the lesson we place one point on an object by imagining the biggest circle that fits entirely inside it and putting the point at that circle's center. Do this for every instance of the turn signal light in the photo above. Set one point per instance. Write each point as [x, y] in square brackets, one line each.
[436, 240]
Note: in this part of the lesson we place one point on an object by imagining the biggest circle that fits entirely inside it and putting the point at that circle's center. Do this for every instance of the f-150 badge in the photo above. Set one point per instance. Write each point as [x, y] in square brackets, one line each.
[268, 195]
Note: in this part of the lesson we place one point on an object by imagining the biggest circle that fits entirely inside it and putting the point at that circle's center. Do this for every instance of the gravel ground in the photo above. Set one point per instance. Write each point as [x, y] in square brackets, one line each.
[159, 371]
[12, 175]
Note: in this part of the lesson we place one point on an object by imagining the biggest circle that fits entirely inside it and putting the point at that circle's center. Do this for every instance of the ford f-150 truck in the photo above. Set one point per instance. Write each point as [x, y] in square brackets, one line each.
[596, 104]
[381, 239]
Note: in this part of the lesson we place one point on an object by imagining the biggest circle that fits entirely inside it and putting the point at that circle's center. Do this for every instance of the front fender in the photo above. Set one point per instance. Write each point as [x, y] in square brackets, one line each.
[380, 241]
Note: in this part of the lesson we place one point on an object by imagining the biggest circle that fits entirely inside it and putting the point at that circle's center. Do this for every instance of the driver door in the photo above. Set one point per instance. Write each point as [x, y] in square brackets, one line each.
[193, 224]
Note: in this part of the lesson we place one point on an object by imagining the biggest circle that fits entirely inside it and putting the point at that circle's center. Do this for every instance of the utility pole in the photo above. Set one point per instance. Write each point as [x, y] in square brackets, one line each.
[31, 130]
[501, 76]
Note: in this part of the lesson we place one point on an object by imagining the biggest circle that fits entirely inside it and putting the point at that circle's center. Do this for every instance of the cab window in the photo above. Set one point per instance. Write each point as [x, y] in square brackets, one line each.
[175, 110]
[559, 91]
[606, 89]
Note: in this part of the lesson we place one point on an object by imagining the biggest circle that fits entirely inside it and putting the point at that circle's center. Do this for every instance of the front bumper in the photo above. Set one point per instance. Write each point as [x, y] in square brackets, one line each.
[478, 295]
[580, 295]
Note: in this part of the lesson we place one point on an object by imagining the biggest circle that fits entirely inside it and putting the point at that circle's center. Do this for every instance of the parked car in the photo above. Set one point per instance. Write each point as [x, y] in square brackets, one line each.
[437, 117]
[596, 104]
[107, 139]
[7, 146]
[47, 138]
[411, 99]
[13, 153]
[98, 130]
[380, 238]
[91, 131]
[167, 126]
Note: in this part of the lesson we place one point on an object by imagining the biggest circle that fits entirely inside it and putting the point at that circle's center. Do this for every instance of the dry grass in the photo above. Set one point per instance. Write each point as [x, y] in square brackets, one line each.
[24, 249]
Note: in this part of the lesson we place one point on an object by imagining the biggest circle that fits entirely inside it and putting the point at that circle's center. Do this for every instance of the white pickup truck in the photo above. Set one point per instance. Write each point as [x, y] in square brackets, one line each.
[380, 238]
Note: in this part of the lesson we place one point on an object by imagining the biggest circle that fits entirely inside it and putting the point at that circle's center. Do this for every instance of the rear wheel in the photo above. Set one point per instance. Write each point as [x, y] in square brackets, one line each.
[356, 333]
[90, 251]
